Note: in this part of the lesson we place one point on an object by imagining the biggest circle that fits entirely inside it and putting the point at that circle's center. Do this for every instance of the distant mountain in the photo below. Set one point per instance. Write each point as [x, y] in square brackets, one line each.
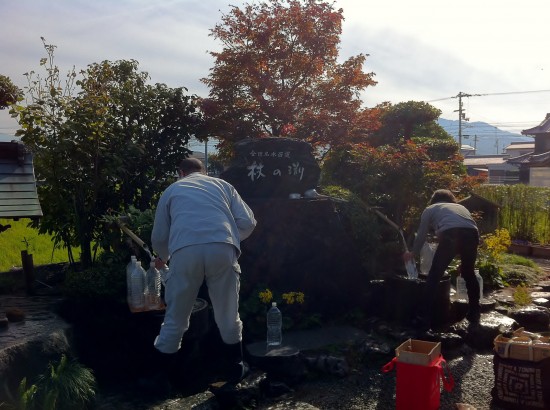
[485, 138]
[7, 138]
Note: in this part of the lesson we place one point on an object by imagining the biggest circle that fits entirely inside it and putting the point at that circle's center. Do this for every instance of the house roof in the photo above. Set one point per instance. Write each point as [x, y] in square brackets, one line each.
[520, 159]
[540, 160]
[18, 195]
[519, 146]
[542, 128]
[477, 199]
[484, 160]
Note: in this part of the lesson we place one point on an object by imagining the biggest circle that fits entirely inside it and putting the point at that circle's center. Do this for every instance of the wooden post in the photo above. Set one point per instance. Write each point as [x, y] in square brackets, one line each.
[28, 270]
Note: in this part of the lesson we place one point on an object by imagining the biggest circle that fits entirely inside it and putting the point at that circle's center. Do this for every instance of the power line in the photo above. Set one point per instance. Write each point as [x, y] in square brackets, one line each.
[487, 94]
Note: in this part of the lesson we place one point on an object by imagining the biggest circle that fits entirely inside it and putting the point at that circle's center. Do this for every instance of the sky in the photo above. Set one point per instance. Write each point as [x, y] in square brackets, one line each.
[496, 51]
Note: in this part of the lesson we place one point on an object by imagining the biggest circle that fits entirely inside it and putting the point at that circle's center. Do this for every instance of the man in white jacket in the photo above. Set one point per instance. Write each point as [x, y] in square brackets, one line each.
[199, 224]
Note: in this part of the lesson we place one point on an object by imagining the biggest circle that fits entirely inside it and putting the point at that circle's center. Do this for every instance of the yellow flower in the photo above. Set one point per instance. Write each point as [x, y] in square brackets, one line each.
[292, 297]
[265, 296]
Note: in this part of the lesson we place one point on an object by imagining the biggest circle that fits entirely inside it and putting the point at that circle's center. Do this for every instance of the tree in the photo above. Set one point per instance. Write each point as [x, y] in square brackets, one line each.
[403, 121]
[102, 140]
[397, 178]
[278, 75]
[9, 93]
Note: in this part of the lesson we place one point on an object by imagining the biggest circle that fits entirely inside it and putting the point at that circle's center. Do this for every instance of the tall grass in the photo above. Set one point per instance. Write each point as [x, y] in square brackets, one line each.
[22, 238]
[524, 210]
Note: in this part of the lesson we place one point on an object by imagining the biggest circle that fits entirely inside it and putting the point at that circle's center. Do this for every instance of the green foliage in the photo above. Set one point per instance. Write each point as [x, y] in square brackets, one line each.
[361, 222]
[398, 179]
[66, 386]
[524, 210]
[522, 297]
[9, 92]
[105, 280]
[510, 270]
[490, 252]
[402, 121]
[493, 276]
[512, 259]
[115, 241]
[493, 246]
[116, 143]
[23, 237]
[26, 395]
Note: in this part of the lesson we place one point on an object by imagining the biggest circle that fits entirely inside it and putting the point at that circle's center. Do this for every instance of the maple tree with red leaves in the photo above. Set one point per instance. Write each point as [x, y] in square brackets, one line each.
[278, 75]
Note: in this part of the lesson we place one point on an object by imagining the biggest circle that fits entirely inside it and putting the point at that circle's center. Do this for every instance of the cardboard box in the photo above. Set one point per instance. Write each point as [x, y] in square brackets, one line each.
[522, 348]
[418, 352]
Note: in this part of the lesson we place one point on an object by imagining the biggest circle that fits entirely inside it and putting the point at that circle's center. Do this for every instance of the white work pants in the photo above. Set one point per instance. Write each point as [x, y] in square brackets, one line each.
[189, 266]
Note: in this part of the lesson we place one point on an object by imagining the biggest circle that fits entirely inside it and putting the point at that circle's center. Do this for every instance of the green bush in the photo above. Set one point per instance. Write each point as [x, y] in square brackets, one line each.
[361, 222]
[66, 386]
[105, 280]
[524, 210]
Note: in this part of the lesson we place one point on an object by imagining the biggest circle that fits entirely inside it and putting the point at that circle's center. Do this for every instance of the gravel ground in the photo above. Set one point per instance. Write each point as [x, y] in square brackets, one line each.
[367, 388]
[371, 389]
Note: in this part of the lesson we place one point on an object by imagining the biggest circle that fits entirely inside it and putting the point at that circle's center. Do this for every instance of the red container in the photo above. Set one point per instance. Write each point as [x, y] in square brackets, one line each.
[419, 387]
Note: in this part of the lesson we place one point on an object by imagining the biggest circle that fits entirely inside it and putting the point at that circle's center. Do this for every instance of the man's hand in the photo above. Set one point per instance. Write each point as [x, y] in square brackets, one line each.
[159, 263]
[408, 256]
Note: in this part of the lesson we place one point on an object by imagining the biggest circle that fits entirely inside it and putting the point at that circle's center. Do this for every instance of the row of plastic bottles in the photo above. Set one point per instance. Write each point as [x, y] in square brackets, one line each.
[143, 286]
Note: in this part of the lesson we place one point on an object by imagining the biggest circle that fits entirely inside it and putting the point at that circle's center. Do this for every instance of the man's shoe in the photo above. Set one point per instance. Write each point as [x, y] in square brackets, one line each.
[237, 368]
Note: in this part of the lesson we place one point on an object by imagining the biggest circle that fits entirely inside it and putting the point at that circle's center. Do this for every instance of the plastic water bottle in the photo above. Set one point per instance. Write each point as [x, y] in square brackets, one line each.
[274, 326]
[426, 257]
[462, 291]
[152, 287]
[480, 281]
[164, 274]
[137, 288]
[412, 272]
[129, 268]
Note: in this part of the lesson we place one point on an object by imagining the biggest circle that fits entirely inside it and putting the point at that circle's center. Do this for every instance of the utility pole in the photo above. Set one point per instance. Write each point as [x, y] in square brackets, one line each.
[206, 155]
[461, 114]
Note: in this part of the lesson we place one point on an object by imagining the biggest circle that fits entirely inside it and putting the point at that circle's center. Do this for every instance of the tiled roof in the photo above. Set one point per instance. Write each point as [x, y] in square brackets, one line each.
[520, 159]
[18, 195]
[540, 160]
[524, 145]
[542, 128]
[484, 160]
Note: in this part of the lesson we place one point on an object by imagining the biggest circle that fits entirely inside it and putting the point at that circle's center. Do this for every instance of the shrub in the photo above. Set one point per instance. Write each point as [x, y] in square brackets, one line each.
[522, 296]
[67, 385]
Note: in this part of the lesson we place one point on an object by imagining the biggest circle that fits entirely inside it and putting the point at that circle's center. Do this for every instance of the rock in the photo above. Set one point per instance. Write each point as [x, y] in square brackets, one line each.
[544, 285]
[303, 246]
[273, 168]
[481, 336]
[536, 295]
[4, 322]
[336, 366]
[542, 302]
[15, 315]
[534, 318]
[32, 357]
